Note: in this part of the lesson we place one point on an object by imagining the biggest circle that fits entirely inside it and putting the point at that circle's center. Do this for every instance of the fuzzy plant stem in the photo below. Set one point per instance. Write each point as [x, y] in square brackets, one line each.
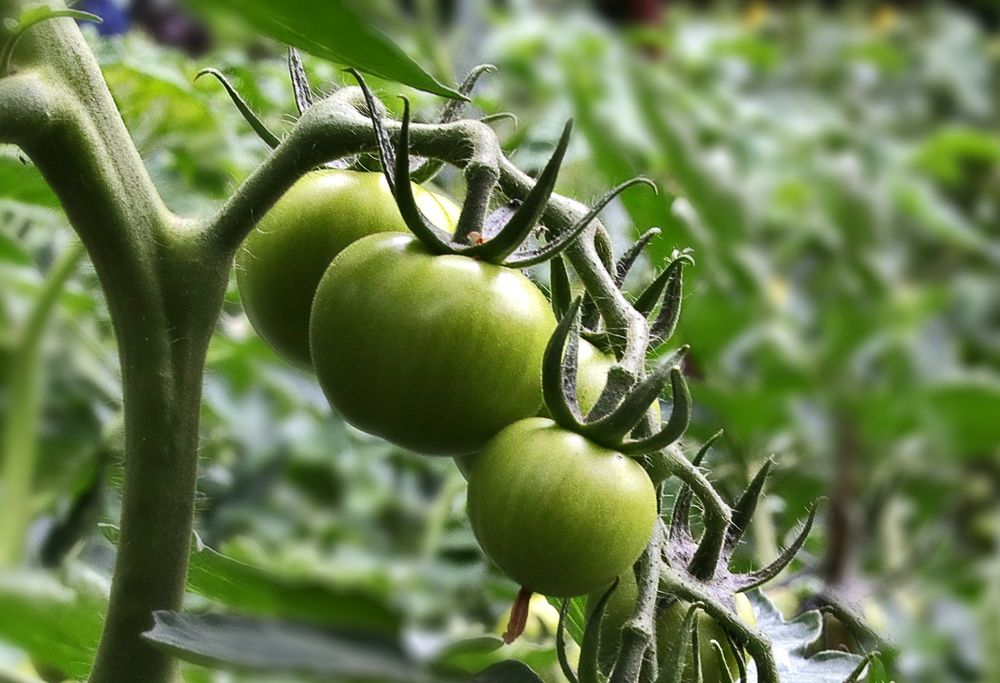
[164, 287]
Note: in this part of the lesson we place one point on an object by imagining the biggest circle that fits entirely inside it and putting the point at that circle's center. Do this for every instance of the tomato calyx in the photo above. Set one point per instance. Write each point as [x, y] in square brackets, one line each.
[302, 93]
[660, 302]
[610, 422]
[505, 245]
[698, 570]
[704, 563]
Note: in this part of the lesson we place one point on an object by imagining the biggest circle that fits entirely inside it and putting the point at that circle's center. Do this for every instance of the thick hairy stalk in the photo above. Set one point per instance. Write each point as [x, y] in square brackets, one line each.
[164, 290]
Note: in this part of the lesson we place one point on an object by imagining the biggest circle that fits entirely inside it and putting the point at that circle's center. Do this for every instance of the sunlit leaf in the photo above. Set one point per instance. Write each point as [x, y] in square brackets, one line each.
[791, 642]
[334, 30]
[56, 620]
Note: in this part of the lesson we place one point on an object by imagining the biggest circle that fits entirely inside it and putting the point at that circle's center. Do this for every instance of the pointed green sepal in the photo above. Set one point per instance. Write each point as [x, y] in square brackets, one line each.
[680, 416]
[762, 576]
[741, 664]
[567, 237]
[262, 131]
[629, 258]
[650, 296]
[435, 238]
[746, 506]
[502, 116]
[564, 665]
[666, 320]
[680, 515]
[680, 526]
[300, 81]
[559, 289]
[612, 428]
[673, 668]
[590, 648]
[396, 167]
[559, 368]
[723, 665]
[386, 153]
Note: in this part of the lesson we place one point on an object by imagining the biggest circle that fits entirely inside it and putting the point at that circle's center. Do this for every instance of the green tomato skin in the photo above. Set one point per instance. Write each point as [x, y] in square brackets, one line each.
[558, 513]
[620, 607]
[433, 353]
[284, 257]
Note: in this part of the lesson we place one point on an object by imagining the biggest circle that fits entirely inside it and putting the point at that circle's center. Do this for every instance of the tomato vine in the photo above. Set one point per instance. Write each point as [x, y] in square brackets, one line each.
[164, 278]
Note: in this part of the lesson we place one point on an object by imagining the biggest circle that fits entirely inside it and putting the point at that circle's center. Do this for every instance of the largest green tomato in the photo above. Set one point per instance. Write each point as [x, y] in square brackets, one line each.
[556, 512]
[285, 256]
[434, 353]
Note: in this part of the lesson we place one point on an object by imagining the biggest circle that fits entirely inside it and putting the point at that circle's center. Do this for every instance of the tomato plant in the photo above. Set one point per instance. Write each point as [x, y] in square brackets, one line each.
[283, 259]
[559, 514]
[435, 353]
[435, 340]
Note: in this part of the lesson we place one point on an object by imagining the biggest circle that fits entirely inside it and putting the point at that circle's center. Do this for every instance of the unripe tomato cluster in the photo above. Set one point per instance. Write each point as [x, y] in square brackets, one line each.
[442, 354]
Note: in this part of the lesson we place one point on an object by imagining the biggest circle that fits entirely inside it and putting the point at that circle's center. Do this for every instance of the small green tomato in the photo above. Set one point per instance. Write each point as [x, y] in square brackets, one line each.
[556, 512]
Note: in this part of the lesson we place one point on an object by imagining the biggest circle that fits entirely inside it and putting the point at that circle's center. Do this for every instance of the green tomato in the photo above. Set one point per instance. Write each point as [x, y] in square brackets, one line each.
[621, 605]
[556, 512]
[434, 353]
[285, 256]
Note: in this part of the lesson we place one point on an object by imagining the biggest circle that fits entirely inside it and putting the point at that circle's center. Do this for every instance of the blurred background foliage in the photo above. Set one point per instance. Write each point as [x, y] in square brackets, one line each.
[836, 170]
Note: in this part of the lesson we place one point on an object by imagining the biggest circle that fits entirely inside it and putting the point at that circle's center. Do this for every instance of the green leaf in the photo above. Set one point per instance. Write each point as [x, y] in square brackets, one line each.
[11, 252]
[261, 592]
[333, 30]
[23, 183]
[464, 655]
[937, 217]
[576, 618]
[508, 672]
[56, 622]
[258, 645]
[964, 411]
[34, 13]
[791, 642]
